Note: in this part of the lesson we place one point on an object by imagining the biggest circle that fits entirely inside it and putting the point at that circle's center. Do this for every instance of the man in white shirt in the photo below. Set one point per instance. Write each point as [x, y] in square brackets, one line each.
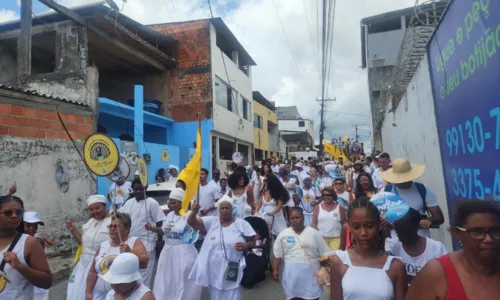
[415, 251]
[119, 192]
[215, 178]
[274, 167]
[401, 182]
[342, 195]
[144, 213]
[209, 194]
[384, 163]
[307, 168]
[368, 165]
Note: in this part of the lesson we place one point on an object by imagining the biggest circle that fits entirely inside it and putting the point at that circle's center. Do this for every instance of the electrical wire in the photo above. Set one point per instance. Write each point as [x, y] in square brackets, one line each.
[331, 30]
[317, 61]
[290, 48]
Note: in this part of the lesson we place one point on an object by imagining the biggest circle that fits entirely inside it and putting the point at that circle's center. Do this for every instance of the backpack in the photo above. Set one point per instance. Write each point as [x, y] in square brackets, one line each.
[420, 188]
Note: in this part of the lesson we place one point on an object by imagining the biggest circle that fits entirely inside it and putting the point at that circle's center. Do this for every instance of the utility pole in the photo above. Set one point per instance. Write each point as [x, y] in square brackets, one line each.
[322, 124]
[356, 128]
[24, 41]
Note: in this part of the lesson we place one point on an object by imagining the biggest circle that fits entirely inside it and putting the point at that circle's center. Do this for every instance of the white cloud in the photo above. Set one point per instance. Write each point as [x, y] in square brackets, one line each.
[276, 76]
[7, 15]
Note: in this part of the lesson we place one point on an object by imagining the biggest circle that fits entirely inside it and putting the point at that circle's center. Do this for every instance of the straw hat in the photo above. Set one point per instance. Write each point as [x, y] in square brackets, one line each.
[402, 171]
[358, 162]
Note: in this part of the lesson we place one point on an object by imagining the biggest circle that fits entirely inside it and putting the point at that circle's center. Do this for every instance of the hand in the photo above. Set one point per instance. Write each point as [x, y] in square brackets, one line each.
[276, 274]
[240, 246]
[314, 203]
[70, 225]
[12, 259]
[204, 212]
[13, 189]
[124, 247]
[89, 296]
[383, 222]
[195, 207]
[148, 227]
[425, 223]
[270, 214]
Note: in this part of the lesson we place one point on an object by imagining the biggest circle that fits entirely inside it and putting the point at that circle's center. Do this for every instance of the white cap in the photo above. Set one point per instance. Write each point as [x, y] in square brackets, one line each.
[32, 217]
[176, 194]
[125, 269]
[330, 168]
[299, 165]
[224, 198]
[95, 199]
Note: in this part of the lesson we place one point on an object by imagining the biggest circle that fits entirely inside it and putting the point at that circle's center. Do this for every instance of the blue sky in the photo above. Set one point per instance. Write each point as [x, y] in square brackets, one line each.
[12, 5]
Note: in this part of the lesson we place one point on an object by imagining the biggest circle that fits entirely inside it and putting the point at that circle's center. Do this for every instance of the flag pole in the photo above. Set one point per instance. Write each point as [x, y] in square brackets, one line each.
[201, 153]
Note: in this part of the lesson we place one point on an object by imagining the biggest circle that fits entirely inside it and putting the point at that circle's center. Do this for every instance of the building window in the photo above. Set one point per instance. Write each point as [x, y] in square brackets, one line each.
[224, 95]
[226, 149]
[302, 124]
[257, 121]
[246, 107]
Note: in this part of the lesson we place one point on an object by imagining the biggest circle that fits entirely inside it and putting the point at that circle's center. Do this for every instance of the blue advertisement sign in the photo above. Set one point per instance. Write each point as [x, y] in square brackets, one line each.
[464, 55]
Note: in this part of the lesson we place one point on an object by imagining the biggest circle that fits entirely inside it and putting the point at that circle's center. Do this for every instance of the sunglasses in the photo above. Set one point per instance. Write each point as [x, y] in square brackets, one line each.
[480, 233]
[338, 183]
[10, 212]
[327, 195]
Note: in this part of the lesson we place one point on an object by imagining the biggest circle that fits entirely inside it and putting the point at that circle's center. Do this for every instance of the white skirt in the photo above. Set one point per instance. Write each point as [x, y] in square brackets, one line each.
[78, 280]
[299, 281]
[174, 265]
[147, 273]
[216, 294]
[308, 219]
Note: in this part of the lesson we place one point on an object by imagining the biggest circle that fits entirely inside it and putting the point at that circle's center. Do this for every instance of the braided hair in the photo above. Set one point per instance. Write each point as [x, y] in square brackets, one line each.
[364, 202]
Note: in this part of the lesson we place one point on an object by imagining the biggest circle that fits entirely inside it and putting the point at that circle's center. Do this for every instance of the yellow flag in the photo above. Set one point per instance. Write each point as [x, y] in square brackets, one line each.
[191, 175]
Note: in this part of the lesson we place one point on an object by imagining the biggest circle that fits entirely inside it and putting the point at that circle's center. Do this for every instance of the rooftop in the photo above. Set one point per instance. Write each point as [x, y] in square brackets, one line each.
[288, 113]
[257, 96]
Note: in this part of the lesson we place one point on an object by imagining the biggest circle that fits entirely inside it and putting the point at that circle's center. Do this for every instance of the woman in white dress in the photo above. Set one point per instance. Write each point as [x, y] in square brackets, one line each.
[241, 192]
[25, 262]
[289, 184]
[177, 257]
[221, 261]
[328, 218]
[271, 203]
[124, 277]
[300, 247]
[310, 197]
[95, 231]
[173, 173]
[365, 270]
[97, 289]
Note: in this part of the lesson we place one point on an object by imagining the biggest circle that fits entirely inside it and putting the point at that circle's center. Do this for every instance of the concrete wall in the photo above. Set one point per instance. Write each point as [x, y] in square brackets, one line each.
[32, 139]
[415, 137]
[384, 45]
[226, 122]
[293, 125]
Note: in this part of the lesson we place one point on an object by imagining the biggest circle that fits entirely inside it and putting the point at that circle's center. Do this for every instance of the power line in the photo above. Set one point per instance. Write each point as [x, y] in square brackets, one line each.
[331, 31]
[290, 48]
[311, 38]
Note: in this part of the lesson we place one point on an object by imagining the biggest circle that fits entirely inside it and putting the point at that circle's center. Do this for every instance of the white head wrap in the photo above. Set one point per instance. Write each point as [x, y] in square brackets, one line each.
[224, 198]
[176, 194]
[95, 199]
[173, 167]
[330, 168]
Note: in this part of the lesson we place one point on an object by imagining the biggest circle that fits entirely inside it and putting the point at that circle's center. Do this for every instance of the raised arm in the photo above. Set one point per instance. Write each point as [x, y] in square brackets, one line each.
[193, 221]
[70, 225]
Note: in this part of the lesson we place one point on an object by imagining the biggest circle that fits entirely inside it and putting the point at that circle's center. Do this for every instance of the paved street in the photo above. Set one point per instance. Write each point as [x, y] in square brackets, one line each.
[267, 290]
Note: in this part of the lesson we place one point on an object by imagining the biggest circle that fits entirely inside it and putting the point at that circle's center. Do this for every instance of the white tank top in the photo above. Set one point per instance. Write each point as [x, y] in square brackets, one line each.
[239, 203]
[107, 255]
[329, 222]
[376, 284]
[19, 287]
[136, 295]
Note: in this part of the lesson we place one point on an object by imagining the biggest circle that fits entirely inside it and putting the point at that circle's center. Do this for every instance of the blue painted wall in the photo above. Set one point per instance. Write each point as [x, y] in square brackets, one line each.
[156, 162]
[183, 134]
[116, 126]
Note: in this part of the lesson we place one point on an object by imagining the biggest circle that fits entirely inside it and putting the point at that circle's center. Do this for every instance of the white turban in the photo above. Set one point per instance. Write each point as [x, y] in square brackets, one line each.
[173, 167]
[176, 194]
[95, 199]
[330, 168]
[224, 198]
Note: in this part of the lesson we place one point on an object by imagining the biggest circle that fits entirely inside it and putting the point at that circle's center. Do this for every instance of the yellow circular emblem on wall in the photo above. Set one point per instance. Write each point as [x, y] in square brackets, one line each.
[142, 169]
[165, 155]
[100, 154]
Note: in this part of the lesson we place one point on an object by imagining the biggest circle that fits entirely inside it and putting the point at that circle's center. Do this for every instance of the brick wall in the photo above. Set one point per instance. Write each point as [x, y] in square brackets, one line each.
[190, 84]
[30, 122]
